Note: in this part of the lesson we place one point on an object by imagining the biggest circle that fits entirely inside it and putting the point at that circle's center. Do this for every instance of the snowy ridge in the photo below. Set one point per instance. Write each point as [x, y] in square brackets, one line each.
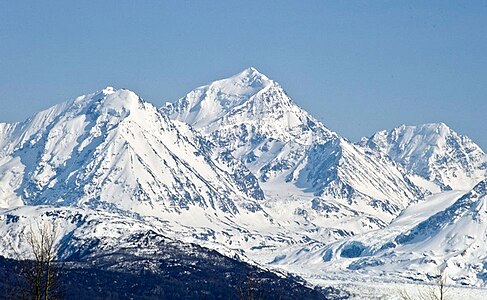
[434, 152]
[112, 148]
[252, 123]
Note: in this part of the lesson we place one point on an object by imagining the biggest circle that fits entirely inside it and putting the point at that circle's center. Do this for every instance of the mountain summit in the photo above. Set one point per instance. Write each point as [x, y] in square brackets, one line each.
[435, 152]
[253, 117]
[250, 99]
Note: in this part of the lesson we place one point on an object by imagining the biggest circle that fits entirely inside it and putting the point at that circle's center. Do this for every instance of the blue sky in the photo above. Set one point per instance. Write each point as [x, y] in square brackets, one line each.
[357, 66]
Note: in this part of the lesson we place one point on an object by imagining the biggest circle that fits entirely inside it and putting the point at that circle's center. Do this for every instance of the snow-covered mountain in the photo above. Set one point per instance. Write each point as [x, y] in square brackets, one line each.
[251, 116]
[238, 167]
[112, 149]
[112, 156]
[434, 152]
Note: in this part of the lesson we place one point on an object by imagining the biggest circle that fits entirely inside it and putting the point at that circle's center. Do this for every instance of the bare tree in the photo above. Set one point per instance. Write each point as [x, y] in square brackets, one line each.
[438, 291]
[40, 271]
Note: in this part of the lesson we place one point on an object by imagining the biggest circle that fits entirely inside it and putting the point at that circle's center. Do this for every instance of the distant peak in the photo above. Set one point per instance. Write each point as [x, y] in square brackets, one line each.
[436, 125]
[246, 83]
[251, 71]
[251, 74]
[109, 98]
[435, 128]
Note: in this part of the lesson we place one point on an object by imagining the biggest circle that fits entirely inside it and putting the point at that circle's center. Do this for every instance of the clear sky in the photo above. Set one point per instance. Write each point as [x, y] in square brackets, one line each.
[357, 66]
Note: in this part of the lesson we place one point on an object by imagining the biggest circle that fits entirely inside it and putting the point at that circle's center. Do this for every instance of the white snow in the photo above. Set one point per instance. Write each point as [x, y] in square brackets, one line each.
[434, 152]
[238, 167]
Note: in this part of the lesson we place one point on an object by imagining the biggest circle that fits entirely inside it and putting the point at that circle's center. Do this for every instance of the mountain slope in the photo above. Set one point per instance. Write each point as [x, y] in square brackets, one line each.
[111, 149]
[106, 255]
[434, 152]
[446, 232]
[252, 117]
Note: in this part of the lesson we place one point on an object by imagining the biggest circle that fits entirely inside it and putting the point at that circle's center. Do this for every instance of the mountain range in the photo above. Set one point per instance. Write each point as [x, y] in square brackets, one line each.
[238, 167]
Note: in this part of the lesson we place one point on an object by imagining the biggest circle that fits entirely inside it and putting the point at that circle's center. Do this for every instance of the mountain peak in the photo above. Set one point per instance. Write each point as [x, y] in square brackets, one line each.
[207, 104]
[436, 129]
[253, 118]
[433, 151]
[248, 98]
[251, 72]
[248, 82]
[108, 102]
[119, 147]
